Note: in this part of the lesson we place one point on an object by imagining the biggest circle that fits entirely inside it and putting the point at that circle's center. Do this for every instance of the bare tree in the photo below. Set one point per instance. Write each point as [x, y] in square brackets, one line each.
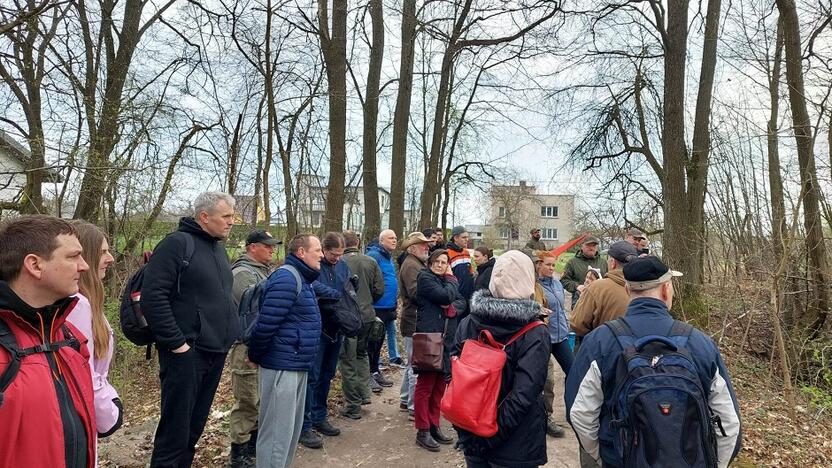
[372, 211]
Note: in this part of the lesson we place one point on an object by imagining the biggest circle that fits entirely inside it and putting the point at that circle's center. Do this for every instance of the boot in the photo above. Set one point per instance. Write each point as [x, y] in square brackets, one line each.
[325, 428]
[554, 429]
[251, 446]
[311, 440]
[238, 457]
[438, 436]
[424, 440]
[381, 380]
[374, 386]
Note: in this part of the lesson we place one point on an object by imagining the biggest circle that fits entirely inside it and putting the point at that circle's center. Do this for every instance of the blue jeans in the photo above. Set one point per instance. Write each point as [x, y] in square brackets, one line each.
[392, 345]
[563, 355]
[319, 379]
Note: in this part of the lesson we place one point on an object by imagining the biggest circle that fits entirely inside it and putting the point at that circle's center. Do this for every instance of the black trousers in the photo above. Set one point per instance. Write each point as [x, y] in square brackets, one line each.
[189, 381]
[374, 354]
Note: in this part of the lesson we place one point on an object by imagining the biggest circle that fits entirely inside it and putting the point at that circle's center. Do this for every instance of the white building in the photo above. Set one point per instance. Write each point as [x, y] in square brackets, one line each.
[312, 196]
[517, 209]
[12, 172]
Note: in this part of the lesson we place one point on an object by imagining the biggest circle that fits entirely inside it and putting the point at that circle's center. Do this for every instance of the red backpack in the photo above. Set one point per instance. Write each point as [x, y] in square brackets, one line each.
[470, 402]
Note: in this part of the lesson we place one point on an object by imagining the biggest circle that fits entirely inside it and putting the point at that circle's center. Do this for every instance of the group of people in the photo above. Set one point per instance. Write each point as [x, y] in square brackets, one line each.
[58, 344]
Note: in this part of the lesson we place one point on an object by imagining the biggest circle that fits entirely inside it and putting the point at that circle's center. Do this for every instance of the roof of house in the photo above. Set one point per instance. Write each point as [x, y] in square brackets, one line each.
[21, 153]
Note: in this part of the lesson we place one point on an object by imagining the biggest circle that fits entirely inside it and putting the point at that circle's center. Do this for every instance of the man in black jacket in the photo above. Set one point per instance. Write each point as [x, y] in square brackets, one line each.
[190, 309]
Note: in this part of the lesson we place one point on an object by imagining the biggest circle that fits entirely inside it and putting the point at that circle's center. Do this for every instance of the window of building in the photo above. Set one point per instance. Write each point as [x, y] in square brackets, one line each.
[549, 211]
[502, 214]
[549, 233]
[504, 233]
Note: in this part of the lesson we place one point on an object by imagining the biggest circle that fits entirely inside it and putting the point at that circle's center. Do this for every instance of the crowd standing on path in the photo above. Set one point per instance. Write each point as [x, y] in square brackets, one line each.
[641, 388]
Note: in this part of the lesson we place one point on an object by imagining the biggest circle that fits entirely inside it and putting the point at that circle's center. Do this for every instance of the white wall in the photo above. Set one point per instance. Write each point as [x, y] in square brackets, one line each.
[12, 178]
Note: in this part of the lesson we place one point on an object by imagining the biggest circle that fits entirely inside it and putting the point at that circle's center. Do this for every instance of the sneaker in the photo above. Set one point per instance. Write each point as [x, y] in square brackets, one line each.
[554, 429]
[398, 363]
[325, 428]
[374, 386]
[403, 406]
[350, 413]
[411, 415]
[381, 380]
[311, 440]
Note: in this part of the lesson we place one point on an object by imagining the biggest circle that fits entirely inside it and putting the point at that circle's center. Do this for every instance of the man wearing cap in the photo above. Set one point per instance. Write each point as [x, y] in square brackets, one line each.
[587, 395]
[249, 269]
[417, 248]
[606, 298]
[638, 239]
[574, 274]
[535, 243]
[460, 261]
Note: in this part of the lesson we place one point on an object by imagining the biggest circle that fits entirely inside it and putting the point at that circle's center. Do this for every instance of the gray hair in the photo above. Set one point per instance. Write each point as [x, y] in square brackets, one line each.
[207, 201]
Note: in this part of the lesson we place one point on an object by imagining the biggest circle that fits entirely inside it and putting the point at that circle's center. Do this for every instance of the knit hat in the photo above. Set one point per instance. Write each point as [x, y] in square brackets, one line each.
[512, 276]
[457, 230]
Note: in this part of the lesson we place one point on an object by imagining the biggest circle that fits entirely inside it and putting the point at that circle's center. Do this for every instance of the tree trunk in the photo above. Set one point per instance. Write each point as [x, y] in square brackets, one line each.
[372, 211]
[258, 172]
[271, 113]
[234, 157]
[775, 179]
[334, 48]
[401, 119]
[818, 307]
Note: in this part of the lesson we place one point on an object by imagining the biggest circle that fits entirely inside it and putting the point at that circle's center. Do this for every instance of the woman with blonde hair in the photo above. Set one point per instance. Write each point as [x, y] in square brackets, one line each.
[88, 316]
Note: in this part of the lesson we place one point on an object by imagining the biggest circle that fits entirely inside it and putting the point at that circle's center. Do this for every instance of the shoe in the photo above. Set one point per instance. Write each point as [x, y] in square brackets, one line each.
[366, 401]
[403, 406]
[311, 440]
[374, 386]
[438, 436]
[381, 380]
[325, 428]
[238, 458]
[411, 415]
[554, 430]
[398, 363]
[350, 413]
[251, 446]
[424, 440]
[382, 367]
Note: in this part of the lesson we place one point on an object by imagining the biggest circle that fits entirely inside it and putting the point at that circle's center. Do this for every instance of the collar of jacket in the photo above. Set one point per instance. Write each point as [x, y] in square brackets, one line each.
[581, 254]
[490, 308]
[486, 265]
[57, 312]
[417, 259]
[616, 276]
[381, 250]
[643, 306]
[351, 250]
[245, 259]
[453, 246]
[308, 273]
[189, 225]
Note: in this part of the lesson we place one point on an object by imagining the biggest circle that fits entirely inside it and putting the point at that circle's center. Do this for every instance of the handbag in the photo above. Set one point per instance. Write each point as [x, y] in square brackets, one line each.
[429, 350]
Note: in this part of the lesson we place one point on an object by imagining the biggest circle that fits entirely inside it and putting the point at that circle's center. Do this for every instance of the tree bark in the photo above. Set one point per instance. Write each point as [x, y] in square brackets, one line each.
[372, 210]
[401, 119]
[234, 157]
[334, 48]
[775, 179]
[818, 307]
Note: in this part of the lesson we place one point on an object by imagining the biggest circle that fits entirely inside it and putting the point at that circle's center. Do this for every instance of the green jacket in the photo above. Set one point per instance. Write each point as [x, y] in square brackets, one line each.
[576, 268]
[247, 272]
[370, 281]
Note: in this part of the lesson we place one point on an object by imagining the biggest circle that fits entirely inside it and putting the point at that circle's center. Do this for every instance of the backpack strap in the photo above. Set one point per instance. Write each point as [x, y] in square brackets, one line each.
[529, 326]
[9, 343]
[681, 330]
[623, 333]
[294, 271]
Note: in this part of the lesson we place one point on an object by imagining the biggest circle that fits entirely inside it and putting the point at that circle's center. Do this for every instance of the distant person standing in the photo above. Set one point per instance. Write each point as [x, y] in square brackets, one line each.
[484, 259]
[438, 239]
[574, 274]
[193, 318]
[636, 238]
[460, 261]
[535, 243]
[249, 269]
[284, 343]
[385, 307]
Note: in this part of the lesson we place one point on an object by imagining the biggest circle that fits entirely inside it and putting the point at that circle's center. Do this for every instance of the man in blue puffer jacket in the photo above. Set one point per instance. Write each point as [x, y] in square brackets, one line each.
[385, 307]
[284, 343]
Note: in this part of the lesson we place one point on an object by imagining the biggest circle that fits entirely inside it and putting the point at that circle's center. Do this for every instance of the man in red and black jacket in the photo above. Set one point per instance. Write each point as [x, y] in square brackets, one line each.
[46, 411]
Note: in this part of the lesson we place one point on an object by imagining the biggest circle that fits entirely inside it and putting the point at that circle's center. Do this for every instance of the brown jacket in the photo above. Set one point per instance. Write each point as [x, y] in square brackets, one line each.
[602, 301]
[408, 274]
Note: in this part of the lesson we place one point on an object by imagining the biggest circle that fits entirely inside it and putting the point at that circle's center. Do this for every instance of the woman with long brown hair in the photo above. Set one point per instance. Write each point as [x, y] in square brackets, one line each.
[88, 316]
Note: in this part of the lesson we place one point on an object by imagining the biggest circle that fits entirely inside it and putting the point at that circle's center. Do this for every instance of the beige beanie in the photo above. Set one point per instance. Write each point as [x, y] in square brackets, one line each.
[512, 276]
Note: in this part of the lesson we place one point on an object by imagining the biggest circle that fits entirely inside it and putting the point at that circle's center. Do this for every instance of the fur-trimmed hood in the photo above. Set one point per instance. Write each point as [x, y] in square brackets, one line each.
[493, 309]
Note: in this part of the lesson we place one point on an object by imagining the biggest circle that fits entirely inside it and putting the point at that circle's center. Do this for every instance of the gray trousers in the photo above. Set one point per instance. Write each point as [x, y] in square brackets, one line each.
[409, 378]
[282, 399]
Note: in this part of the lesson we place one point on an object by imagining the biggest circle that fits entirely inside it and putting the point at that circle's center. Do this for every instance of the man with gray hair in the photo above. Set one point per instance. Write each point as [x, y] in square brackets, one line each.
[187, 299]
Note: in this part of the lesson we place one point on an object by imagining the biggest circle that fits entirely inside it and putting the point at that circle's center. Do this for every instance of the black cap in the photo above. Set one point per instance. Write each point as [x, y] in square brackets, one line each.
[647, 273]
[622, 251]
[261, 237]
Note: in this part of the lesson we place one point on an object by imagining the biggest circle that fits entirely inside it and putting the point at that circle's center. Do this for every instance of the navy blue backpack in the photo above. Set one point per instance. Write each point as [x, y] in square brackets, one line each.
[249, 307]
[659, 408]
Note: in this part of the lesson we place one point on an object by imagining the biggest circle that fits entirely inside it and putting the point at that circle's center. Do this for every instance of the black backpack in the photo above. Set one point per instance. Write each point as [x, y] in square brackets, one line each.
[348, 312]
[16, 355]
[133, 322]
[249, 307]
[659, 406]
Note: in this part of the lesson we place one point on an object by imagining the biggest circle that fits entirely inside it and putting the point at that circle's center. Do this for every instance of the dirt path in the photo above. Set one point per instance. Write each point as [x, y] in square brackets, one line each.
[385, 438]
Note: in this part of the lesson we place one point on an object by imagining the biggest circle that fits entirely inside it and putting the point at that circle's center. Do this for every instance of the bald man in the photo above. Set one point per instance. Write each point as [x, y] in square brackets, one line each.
[385, 307]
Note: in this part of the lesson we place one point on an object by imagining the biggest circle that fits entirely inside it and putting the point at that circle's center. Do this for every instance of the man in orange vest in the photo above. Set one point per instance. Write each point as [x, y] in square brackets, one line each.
[460, 261]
